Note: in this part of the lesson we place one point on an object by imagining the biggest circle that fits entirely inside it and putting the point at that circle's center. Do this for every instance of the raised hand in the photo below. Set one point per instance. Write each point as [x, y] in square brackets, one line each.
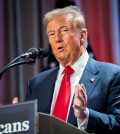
[80, 103]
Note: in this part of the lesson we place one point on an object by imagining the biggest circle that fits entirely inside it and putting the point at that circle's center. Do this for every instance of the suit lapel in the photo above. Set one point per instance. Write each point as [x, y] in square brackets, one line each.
[90, 79]
[47, 89]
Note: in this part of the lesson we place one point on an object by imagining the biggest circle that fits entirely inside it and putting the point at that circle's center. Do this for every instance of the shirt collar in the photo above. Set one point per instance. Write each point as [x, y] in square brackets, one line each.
[78, 65]
[81, 63]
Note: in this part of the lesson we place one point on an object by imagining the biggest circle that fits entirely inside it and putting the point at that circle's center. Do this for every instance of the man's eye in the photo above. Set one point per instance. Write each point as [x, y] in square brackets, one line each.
[50, 34]
[64, 30]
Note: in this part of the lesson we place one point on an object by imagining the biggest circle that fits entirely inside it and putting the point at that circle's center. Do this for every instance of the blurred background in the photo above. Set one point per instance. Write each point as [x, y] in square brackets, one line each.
[21, 28]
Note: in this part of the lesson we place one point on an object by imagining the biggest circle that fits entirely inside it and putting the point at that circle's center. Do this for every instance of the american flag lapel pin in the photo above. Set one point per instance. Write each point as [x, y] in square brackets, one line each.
[92, 80]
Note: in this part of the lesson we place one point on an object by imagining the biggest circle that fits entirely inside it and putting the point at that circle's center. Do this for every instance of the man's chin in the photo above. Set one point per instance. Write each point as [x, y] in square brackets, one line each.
[62, 59]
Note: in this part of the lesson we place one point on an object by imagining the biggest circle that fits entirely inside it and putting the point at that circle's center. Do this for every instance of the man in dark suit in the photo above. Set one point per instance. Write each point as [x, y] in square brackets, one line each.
[94, 104]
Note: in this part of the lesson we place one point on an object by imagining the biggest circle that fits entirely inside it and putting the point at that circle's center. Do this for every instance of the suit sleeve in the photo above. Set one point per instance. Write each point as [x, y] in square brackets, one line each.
[108, 122]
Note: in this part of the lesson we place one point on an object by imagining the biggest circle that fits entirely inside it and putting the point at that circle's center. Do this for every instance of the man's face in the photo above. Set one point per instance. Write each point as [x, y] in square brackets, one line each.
[65, 41]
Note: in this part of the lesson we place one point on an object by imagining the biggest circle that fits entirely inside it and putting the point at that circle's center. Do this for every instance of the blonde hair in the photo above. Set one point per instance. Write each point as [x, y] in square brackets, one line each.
[78, 17]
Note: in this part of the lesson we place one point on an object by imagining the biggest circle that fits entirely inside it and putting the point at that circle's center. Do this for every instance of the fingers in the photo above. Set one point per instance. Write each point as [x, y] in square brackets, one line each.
[80, 102]
[80, 98]
[84, 94]
[15, 100]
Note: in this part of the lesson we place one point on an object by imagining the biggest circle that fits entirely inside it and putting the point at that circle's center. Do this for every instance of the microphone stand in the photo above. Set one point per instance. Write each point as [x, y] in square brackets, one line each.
[15, 62]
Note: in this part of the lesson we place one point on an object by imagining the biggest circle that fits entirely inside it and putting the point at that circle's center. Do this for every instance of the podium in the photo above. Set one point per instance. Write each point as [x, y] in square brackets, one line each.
[22, 118]
[51, 125]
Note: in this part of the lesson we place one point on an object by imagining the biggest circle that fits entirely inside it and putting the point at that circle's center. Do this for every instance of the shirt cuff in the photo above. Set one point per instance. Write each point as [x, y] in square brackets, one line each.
[83, 126]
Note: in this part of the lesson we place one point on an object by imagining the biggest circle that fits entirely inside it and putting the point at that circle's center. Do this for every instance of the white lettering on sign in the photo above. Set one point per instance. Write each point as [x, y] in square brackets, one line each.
[14, 127]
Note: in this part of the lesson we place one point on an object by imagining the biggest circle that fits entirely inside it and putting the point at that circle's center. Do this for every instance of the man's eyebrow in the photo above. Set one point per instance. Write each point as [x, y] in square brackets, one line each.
[64, 26]
[50, 31]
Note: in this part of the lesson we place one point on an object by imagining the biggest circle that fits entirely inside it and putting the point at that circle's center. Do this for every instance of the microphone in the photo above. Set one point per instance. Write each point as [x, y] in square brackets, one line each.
[36, 53]
[32, 53]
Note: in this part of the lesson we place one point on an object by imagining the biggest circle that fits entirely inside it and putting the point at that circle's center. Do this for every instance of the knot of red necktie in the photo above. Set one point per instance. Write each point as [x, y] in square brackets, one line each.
[68, 70]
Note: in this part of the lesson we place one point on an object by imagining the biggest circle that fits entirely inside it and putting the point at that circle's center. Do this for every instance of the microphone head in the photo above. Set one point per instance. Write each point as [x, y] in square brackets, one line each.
[43, 52]
[38, 52]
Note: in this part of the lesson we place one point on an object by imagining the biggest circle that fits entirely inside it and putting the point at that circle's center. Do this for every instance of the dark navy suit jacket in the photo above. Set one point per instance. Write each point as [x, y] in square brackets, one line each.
[102, 82]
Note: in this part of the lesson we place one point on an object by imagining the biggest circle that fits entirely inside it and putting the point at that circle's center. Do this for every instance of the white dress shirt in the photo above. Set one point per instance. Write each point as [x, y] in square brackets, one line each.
[78, 68]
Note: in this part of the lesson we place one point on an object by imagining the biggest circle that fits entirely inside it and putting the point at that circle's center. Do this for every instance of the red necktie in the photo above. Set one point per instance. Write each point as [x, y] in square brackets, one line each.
[61, 106]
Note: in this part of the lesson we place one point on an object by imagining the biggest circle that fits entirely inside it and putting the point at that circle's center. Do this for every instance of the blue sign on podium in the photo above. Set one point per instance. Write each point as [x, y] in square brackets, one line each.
[19, 118]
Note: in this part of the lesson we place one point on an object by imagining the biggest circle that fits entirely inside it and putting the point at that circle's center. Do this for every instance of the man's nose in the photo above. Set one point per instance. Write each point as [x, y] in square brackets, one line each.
[58, 38]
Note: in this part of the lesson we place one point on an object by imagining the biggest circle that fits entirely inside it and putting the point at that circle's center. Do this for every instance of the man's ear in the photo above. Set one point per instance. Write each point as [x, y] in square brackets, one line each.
[83, 36]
